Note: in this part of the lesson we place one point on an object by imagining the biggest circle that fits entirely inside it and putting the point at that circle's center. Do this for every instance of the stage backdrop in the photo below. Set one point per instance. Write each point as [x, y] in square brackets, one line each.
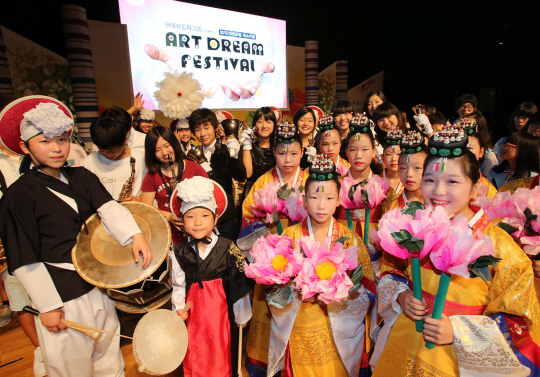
[230, 53]
[327, 87]
[357, 95]
[36, 70]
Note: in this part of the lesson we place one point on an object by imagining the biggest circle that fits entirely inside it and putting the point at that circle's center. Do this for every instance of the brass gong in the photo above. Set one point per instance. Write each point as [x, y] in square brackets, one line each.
[101, 261]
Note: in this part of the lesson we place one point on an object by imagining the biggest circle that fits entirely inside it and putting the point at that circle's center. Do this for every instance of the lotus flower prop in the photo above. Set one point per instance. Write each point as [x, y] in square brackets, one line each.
[460, 253]
[517, 214]
[291, 204]
[369, 194]
[347, 202]
[412, 233]
[276, 262]
[324, 270]
[266, 203]
[342, 169]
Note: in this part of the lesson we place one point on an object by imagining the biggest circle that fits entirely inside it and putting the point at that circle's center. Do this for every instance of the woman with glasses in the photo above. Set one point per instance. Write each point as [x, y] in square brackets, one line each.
[519, 159]
[465, 105]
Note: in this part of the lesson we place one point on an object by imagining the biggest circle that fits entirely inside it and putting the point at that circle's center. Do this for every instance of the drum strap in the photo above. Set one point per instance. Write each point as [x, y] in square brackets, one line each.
[146, 303]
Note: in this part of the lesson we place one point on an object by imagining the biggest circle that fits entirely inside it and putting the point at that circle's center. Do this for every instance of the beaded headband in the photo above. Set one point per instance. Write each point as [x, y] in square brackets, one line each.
[451, 141]
[322, 169]
[286, 133]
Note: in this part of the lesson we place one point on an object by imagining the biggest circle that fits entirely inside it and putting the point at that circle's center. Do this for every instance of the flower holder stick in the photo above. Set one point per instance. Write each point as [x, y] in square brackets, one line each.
[349, 219]
[440, 300]
[366, 226]
[279, 227]
[417, 288]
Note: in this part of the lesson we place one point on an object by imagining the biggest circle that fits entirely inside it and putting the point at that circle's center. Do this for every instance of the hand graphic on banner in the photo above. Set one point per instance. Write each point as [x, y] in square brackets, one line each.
[232, 89]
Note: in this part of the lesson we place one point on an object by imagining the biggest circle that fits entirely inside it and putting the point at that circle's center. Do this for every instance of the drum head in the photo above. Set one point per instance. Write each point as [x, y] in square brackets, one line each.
[160, 342]
[101, 261]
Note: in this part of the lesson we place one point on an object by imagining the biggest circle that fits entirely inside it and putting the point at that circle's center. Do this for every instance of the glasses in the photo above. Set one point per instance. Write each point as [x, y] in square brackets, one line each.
[466, 107]
[509, 145]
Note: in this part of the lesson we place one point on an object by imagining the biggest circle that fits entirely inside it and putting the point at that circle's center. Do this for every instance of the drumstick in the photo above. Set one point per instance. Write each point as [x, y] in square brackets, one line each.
[90, 331]
[187, 307]
[240, 352]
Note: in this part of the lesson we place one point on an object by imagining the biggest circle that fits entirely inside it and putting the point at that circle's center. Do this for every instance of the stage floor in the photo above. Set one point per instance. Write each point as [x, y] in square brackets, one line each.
[17, 352]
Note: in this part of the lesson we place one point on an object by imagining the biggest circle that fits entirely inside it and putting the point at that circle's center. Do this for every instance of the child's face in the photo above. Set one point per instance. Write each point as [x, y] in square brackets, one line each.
[288, 157]
[388, 123]
[205, 133]
[265, 126]
[343, 120]
[391, 157]
[451, 189]
[52, 152]
[146, 125]
[163, 149]
[360, 153]
[330, 143]
[199, 222]
[321, 205]
[475, 148]
[183, 135]
[306, 124]
[410, 173]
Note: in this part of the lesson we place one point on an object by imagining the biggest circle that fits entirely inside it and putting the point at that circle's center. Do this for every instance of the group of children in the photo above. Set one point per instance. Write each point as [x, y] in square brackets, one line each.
[371, 332]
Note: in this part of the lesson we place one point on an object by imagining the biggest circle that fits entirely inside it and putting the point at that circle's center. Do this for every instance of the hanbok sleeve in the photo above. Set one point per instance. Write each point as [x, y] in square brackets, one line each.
[37, 281]
[118, 222]
[178, 297]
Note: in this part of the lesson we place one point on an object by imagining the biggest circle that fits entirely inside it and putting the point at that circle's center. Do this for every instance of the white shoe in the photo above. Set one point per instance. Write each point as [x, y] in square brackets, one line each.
[39, 364]
[5, 315]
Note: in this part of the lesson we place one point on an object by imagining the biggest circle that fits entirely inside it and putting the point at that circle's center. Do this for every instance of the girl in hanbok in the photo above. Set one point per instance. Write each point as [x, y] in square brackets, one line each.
[287, 152]
[310, 338]
[330, 143]
[487, 328]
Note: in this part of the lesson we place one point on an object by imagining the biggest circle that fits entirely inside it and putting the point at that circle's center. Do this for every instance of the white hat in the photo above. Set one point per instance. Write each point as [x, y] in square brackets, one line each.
[197, 192]
[182, 124]
[46, 118]
[147, 114]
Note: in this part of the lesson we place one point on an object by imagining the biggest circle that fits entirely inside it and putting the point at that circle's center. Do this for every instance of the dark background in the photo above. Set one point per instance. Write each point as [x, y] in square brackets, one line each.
[431, 51]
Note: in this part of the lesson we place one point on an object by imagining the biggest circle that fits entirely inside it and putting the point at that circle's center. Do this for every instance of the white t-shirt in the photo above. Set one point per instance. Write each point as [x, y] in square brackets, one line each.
[136, 140]
[114, 174]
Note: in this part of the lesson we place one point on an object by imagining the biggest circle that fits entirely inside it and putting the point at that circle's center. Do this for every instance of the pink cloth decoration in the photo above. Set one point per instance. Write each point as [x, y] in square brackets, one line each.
[321, 261]
[376, 188]
[459, 248]
[342, 169]
[275, 260]
[346, 185]
[430, 224]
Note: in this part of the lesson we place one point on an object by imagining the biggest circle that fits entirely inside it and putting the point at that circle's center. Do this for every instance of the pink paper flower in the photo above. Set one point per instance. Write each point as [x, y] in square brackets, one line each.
[375, 188]
[531, 244]
[459, 248]
[275, 260]
[266, 202]
[324, 270]
[430, 224]
[346, 185]
[293, 206]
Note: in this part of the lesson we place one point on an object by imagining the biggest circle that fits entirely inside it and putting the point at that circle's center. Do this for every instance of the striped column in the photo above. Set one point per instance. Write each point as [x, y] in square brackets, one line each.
[312, 73]
[6, 85]
[342, 68]
[81, 68]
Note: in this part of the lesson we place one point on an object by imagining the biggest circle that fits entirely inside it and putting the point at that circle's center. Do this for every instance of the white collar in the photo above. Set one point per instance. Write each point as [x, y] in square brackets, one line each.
[211, 145]
[476, 217]
[209, 247]
[281, 178]
[310, 229]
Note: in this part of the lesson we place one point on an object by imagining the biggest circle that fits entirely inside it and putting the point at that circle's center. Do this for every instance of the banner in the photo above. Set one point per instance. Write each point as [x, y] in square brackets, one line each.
[240, 59]
[357, 95]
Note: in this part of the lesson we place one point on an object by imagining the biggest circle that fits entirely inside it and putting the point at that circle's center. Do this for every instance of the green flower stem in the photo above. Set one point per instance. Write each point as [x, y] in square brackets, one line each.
[440, 300]
[349, 219]
[366, 226]
[417, 288]
[279, 227]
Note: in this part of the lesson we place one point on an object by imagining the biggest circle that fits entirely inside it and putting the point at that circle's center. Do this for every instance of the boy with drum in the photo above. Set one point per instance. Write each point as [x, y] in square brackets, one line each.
[42, 214]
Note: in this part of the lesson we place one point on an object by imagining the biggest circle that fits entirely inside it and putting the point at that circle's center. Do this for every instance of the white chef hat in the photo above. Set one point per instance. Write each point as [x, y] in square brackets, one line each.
[197, 192]
[147, 114]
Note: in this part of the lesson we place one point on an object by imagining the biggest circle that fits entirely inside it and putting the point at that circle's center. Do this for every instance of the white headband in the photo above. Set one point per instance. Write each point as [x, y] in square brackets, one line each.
[46, 118]
[147, 114]
[197, 192]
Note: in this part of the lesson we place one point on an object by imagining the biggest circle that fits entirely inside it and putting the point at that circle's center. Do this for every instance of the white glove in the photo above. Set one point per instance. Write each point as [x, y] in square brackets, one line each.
[206, 166]
[245, 138]
[311, 152]
[423, 120]
[234, 147]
